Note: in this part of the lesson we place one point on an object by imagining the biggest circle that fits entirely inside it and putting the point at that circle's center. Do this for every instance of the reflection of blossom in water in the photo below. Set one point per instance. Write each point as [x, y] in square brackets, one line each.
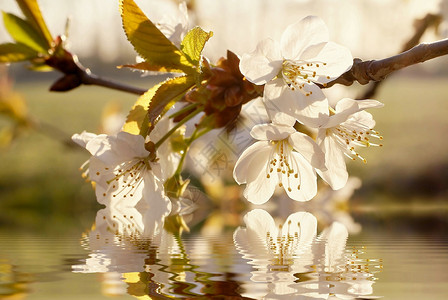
[276, 252]
[286, 266]
[121, 240]
[126, 242]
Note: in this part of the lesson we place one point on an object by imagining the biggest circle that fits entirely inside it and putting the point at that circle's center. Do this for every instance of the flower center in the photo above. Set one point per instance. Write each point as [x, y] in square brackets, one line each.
[281, 161]
[297, 73]
[351, 134]
[126, 178]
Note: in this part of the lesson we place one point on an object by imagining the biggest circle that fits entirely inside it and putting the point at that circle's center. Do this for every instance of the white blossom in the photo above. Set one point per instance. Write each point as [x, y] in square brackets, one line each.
[348, 126]
[281, 157]
[291, 69]
[123, 172]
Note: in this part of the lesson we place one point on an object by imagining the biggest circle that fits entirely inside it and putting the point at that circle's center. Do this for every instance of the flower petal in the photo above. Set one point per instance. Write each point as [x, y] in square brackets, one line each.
[347, 107]
[336, 174]
[83, 138]
[260, 189]
[263, 64]
[300, 35]
[304, 186]
[113, 150]
[251, 161]
[271, 132]
[310, 110]
[306, 146]
[330, 60]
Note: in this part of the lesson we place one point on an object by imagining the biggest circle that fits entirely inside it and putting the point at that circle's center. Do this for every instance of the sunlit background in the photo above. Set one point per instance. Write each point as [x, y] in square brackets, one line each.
[404, 189]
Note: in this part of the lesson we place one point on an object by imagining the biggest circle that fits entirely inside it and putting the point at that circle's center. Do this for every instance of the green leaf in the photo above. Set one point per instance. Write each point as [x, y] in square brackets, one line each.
[31, 10]
[23, 32]
[149, 42]
[171, 91]
[10, 52]
[193, 44]
[155, 102]
[135, 121]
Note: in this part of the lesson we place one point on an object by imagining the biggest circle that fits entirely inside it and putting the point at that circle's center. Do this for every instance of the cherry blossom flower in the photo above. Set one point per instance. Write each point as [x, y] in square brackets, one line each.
[348, 126]
[290, 70]
[123, 172]
[281, 157]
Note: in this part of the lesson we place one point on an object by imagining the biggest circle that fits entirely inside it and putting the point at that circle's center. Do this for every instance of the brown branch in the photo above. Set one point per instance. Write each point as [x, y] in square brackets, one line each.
[92, 79]
[376, 70]
[75, 74]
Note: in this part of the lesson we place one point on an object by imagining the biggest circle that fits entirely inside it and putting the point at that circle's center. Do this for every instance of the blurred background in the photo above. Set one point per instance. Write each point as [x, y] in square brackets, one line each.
[39, 176]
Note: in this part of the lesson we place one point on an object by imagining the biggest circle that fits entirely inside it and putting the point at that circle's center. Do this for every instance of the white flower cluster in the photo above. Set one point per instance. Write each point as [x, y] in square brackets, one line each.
[292, 73]
[126, 172]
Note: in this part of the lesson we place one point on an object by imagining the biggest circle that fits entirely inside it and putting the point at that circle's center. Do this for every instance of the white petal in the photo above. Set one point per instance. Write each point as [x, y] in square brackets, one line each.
[130, 144]
[362, 117]
[271, 132]
[298, 36]
[306, 146]
[83, 138]
[310, 110]
[260, 189]
[263, 64]
[244, 164]
[337, 59]
[313, 111]
[347, 107]
[304, 187]
[346, 103]
[336, 174]
[113, 150]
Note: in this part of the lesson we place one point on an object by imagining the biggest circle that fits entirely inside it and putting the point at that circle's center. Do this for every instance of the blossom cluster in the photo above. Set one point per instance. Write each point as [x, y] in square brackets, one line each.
[304, 135]
[293, 72]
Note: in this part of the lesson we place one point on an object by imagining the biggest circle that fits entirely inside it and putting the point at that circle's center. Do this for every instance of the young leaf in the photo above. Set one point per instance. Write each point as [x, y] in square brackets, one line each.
[139, 112]
[10, 52]
[149, 41]
[154, 102]
[167, 95]
[22, 32]
[30, 9]
[194, 43]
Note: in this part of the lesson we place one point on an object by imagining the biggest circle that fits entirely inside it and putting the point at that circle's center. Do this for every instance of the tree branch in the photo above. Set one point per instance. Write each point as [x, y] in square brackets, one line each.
[88, 78]
[376, 70]
[75, 74]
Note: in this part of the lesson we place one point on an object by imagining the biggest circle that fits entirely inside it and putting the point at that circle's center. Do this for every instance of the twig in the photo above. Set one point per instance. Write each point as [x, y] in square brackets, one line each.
[91, 79]
[376, 70]
[75, 74]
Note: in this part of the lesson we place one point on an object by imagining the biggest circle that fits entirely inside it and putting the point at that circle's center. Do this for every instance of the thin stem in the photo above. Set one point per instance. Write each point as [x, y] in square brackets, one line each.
[88, 78]
[196, 134]
[184, 110]
[180, 123]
